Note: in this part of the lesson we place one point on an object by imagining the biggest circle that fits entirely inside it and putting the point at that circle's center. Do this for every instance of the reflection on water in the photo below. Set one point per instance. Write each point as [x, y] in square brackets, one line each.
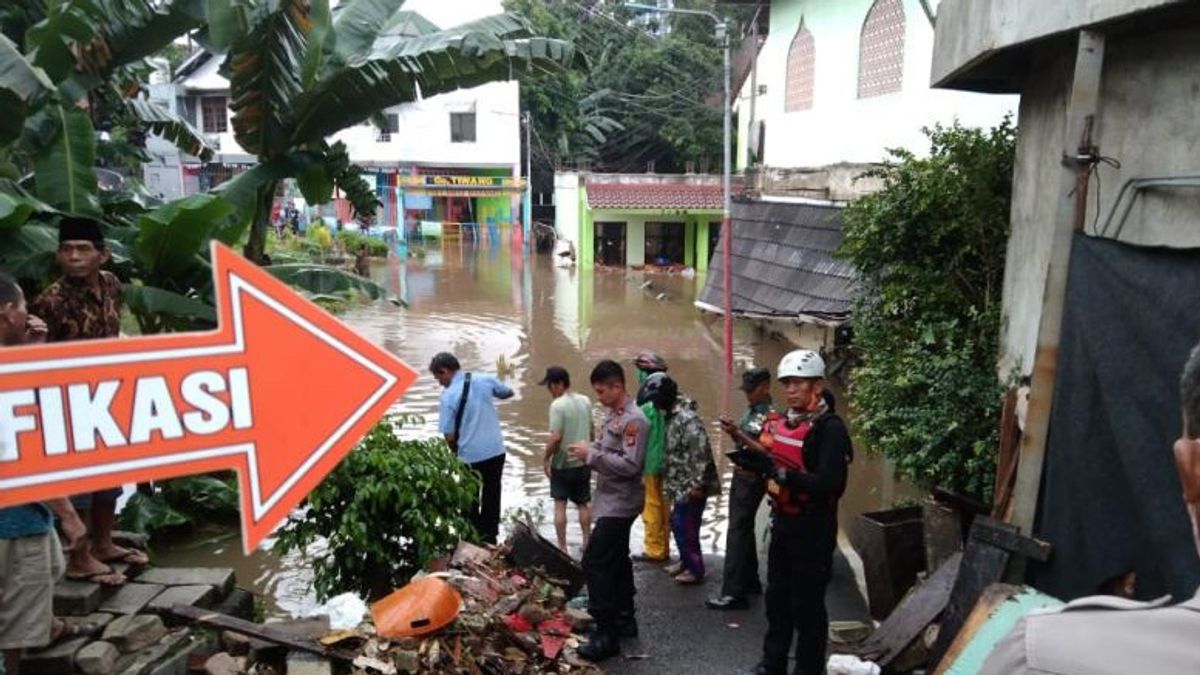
[487, 305]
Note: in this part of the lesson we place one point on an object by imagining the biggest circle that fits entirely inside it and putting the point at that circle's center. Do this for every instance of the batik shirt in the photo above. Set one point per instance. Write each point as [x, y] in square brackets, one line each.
[688, 461]
[73, 310]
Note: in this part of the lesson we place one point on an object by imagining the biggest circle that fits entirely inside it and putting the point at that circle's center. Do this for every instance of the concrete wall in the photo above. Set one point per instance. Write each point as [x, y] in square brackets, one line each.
[971, 31]
[841, 127]
[567, 211]
[1150, 91]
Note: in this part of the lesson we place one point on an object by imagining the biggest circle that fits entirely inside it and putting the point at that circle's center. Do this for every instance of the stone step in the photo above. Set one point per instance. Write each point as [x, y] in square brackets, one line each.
[239, 603]
[196, 596]
[131, 598]
[220, 578]
[76, 598]
[56, 659]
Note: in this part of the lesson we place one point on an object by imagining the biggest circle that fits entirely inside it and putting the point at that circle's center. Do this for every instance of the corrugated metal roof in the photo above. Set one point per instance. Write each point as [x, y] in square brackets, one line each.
[783, 264]
[654, 195]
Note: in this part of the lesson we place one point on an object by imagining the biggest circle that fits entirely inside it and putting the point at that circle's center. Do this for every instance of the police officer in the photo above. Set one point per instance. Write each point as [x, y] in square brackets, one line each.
[746, 490]
[803, 454]
[616, 457]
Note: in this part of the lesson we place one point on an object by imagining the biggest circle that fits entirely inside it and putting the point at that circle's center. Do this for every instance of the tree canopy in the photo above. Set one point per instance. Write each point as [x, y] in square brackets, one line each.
[637, 97]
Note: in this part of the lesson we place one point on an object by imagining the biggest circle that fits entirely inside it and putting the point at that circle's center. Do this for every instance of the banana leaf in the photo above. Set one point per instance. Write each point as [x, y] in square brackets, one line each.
[323, 280]
[135, 29]
[171, 127]
[27, 252]
[162, 310]
[172, 236]
[20, 84]
[466, 56]
[358, 23]
[265, 77]
[65, 177]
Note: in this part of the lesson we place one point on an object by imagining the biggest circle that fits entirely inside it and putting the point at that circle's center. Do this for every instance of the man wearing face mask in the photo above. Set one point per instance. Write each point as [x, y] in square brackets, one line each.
[803, 454]
[1105, 635]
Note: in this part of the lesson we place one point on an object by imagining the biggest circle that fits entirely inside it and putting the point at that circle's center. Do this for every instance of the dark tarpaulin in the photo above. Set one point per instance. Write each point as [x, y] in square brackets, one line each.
[1111, 500]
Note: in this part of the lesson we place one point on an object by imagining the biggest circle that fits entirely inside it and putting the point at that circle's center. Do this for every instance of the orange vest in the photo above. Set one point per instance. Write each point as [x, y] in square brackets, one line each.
[786, 445]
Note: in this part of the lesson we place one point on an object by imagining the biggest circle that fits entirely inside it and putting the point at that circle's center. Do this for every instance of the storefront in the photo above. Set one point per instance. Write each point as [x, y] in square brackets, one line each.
[444, 202]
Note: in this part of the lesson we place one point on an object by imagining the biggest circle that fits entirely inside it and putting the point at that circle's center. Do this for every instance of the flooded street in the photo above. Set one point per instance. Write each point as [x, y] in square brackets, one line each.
[496, 311]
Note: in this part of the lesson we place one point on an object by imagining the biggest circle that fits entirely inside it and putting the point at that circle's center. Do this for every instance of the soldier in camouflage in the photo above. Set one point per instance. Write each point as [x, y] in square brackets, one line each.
[689, 472]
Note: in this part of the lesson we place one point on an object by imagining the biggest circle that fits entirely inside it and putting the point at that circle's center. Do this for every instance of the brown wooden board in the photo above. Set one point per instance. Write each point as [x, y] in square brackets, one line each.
[993, 596]
[530, 550]
[220, 621]
[982, 565]
[918, 609]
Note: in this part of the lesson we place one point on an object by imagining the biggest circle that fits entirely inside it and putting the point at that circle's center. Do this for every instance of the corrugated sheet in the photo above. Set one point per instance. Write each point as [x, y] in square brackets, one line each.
[783, 264]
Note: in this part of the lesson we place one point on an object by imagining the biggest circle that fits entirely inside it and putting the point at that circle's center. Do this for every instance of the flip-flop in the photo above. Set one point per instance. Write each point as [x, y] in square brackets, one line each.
[686, 579]
[70, 630]
[139, 558]
[92, 578]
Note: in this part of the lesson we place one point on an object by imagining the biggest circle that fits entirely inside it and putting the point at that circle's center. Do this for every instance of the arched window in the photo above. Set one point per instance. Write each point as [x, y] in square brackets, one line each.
[801, 72]
[881, 50]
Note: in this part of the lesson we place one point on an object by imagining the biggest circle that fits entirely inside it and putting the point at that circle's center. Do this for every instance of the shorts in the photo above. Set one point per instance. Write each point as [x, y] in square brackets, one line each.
[29, 567]
[574, 484]
[83, 502]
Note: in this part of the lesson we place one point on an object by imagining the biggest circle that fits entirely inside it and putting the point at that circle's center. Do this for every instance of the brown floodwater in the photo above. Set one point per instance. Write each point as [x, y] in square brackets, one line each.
[498, 311]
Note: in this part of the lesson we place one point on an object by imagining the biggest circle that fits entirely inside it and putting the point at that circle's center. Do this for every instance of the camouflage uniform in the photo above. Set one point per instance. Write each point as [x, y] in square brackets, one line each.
[73, 310]
[688, 464]
[688, 460]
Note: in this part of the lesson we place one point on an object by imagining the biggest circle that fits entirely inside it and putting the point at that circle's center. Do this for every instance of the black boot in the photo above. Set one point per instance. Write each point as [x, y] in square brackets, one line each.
[600, 645]
[627, 626]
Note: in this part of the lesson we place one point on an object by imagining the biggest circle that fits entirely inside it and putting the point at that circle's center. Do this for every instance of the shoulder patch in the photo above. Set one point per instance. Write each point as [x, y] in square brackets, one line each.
[631, 433]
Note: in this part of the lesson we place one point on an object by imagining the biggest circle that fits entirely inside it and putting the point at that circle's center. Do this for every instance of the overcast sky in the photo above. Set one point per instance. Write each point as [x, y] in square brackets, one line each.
[447, 13]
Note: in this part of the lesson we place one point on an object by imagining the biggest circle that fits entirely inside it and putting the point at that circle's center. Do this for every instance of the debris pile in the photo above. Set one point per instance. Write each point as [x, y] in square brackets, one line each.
[513, 616]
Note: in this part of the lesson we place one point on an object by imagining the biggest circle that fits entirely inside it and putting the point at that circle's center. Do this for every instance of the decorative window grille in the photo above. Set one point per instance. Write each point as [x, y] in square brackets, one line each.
[801, 71]
[881, 50]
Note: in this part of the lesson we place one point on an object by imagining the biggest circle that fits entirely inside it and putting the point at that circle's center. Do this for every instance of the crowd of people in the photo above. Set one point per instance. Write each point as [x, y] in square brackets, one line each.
[652, 458]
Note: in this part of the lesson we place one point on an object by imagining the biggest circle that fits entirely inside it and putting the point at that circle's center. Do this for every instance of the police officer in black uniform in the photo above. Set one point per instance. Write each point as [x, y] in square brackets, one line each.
[804, 488]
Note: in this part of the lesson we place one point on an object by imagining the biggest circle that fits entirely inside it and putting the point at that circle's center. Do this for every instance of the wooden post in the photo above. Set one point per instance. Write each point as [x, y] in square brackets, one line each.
[1081, 112]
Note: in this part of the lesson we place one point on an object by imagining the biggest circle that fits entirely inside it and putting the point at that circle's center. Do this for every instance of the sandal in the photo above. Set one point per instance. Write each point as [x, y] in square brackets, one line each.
[130, 557]
[70, 630]
[688, 579]
[674, 569]
[94, 578]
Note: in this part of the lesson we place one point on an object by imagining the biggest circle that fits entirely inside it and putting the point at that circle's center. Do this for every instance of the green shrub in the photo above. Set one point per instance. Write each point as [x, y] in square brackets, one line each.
[352, 240]
[930, 250]
[386, 510]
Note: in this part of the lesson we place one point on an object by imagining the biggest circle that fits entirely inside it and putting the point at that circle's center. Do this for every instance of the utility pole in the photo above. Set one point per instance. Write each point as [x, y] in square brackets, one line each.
[528, 210]
[722, 29]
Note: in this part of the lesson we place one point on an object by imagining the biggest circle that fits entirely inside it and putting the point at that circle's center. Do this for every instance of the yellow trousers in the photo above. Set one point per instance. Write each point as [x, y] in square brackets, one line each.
[656, 517]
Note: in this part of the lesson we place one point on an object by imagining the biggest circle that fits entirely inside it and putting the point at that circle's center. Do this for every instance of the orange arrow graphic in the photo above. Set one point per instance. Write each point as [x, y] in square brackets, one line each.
[280, 392]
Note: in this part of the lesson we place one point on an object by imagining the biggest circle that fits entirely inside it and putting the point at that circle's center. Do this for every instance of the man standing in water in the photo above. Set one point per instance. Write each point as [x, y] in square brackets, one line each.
[467, 418]
[803, 454]
[746, 490]
[617, 457]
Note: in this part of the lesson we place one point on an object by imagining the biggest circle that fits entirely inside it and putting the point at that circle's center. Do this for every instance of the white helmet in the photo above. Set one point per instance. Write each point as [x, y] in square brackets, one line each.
[801, 363]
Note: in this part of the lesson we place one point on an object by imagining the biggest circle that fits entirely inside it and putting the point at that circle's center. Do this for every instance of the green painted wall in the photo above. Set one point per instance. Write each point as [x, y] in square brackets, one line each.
[702, 245]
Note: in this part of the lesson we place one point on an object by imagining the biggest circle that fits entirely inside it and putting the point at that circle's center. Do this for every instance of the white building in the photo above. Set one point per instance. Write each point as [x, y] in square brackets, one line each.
[454, 157]
[841, 81]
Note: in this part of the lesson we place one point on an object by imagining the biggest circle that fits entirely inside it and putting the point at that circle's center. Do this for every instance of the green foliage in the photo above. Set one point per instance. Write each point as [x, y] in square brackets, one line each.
[930, 250]
[177, 503]
[386, 510]
[352, 240]
[637, 97]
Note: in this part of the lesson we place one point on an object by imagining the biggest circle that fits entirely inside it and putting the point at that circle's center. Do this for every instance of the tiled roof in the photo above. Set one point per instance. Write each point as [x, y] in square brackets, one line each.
[653, 196]
[783, 264]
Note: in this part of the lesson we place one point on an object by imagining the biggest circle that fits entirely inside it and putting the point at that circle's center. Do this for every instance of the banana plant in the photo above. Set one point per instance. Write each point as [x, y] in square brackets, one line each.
[299, 73]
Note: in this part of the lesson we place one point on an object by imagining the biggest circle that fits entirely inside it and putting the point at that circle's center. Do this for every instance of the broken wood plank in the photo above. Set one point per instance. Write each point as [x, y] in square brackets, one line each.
[1006, 537]
[982, 565]
[999, 609]
[916, 611]
[529, 550]
[265, 633]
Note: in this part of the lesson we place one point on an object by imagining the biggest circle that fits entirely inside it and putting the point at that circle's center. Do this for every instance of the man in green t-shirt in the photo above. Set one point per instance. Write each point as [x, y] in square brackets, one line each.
[570, 479]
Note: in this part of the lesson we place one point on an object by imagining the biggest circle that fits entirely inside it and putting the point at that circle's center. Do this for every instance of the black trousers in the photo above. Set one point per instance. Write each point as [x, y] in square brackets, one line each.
[609, 572]
[741, 550]
[799, 565]
[485, 512]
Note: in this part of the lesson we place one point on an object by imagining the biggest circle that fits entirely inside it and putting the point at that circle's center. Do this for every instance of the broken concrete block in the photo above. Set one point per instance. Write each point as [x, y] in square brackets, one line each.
[195, 596]
[131, 598]
[135, 632]
[221, 578]
[222, 663]
[98, 658]
[152, 660]
[76, 598]
[239, 603]
[56, 659]
[303, 663]
[96, 620]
